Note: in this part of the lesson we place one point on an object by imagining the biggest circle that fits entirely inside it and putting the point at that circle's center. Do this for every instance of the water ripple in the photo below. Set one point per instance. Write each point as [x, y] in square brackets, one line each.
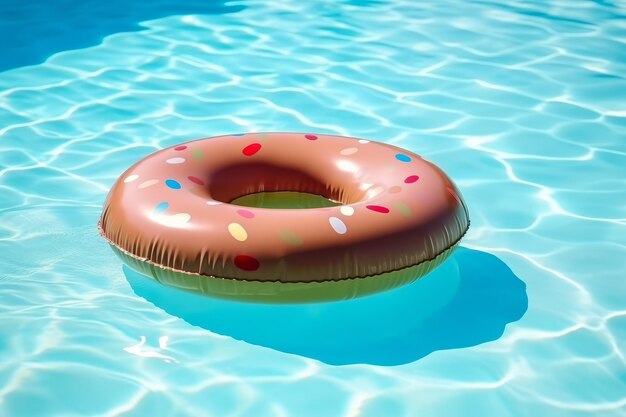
[520, 102]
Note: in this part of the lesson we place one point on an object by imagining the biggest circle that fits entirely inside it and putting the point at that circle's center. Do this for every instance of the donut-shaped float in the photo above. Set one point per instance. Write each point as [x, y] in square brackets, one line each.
[179, 216]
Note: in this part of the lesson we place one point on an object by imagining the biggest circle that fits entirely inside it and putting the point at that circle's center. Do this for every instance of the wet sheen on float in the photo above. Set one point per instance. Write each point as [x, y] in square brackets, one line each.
[284, 217]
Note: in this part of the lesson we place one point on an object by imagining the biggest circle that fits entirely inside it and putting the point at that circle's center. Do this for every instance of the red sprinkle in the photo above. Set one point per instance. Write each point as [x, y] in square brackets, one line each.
[196, 180]
[411, 179]
[379, 209]
[247, 263]
[245, 213]
[180, 148]
[251, 149]
[311, 137]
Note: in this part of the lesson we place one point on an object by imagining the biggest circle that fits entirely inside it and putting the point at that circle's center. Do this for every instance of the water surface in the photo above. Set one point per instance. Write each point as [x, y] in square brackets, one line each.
[522, 103]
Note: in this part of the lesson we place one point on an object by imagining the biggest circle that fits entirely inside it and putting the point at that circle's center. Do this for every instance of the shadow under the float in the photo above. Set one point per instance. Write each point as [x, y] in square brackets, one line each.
[467, 301]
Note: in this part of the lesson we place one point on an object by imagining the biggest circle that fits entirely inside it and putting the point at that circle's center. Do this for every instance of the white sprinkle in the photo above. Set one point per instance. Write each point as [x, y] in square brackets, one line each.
[347, 210]
[177, 219]
[347, 166]
[373, 192]
[349, 151]
[213, 203]
[363, 141]
[148, 183]
[337, 225]
[175, 161]
[131, 178]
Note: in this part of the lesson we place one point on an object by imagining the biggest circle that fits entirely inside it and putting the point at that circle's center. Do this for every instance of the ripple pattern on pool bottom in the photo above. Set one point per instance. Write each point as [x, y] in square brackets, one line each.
[519, 102]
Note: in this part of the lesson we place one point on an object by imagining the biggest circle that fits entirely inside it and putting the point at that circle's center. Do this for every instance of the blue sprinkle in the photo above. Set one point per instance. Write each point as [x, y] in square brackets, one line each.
[173, 184]
[402, 157]
[161, 207]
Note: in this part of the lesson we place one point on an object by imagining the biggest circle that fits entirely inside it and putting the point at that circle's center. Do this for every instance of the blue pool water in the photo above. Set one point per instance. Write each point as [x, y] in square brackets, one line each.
[521, 102]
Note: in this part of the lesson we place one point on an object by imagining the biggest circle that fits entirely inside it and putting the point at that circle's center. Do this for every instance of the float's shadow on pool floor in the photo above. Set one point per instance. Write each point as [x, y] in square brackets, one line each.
[466, 301]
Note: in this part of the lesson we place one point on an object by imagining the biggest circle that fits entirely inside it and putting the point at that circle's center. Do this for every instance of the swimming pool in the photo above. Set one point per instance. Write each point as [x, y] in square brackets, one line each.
[522, 103]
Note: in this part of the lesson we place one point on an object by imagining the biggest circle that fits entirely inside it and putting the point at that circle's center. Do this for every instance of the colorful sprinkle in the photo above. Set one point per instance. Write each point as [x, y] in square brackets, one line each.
[173, 184]
[246, 263]
[161, 207]
[411, 179]
[349, 151]
[403, 158]
[378, 209]
[363, 141]
[347, 210]
[175, 220]
[347, 166]
[394, 189]
[213, 203]
[245, 213]
[180, 218]
[131, 178]
[197, 154]
[180, 148]
[338, 225]
[238, 232]
[148, 183]
[311, 137]
[373, 192]
[290, 237]
[195, 180]
[403, 209]
[175, 161]
[251, 149]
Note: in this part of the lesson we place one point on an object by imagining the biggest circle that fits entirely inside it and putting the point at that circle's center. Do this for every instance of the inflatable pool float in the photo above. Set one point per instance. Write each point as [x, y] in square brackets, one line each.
[284, 217]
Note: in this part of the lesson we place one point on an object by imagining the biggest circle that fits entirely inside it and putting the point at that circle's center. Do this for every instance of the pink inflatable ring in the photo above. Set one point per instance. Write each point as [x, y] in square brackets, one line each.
[179, 216]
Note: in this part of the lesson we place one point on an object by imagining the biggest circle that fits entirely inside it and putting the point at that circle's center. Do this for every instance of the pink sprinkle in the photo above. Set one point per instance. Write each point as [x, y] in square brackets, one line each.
[311, 137]
[196, 180]
[180, 148]
[379, 209]
[245, 213]
[411, 179]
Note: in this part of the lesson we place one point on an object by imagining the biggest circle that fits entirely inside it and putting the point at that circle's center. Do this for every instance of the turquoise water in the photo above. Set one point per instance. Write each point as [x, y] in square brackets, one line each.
[522, 103]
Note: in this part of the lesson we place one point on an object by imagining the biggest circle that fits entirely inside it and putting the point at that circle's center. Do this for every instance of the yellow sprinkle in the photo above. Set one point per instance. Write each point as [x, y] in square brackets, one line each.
[237, 231]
